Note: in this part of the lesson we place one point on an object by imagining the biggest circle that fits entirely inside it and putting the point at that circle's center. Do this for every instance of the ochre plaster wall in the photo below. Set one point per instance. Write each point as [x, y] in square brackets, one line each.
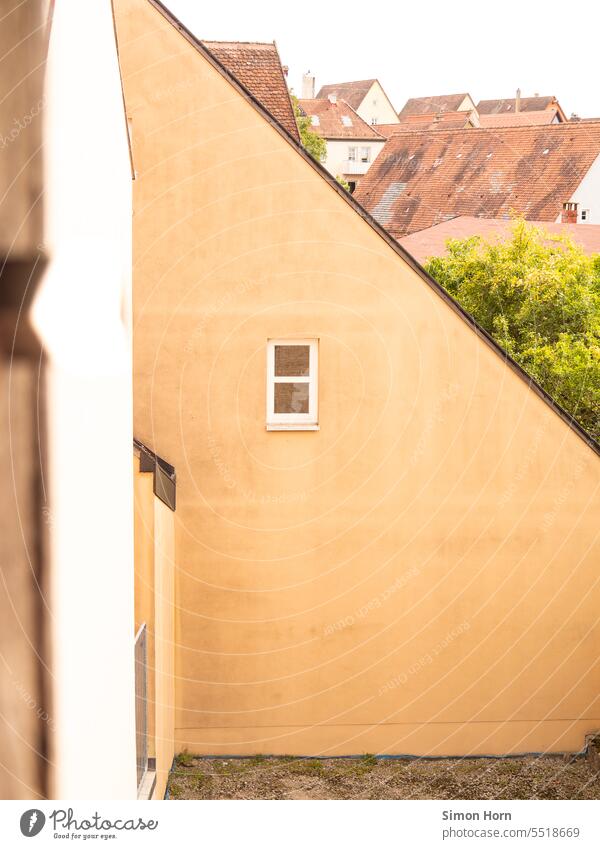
[418, 576]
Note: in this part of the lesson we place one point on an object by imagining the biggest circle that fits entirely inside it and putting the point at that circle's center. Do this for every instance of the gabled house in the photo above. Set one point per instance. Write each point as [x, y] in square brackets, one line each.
[524, 106]
[435, 105]
[352, 144]
[386, 533]
[432, 121]
[366, 97]
[547, 173]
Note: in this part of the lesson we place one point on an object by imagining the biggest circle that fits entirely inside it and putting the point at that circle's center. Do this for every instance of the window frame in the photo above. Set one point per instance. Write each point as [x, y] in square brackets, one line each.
[293, 421]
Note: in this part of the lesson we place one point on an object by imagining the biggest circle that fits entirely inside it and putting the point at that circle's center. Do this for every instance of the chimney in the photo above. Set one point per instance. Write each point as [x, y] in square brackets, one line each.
[308, 86]
[569, 213]
[518, 101]
[332, 98]
[285, 70]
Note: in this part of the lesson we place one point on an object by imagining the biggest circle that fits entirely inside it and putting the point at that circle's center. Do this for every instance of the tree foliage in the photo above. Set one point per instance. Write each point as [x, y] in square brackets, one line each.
[539, 295]
[312, 142]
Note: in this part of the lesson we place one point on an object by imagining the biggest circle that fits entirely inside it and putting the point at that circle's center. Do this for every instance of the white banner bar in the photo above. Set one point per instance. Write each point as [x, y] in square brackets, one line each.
[290, 824]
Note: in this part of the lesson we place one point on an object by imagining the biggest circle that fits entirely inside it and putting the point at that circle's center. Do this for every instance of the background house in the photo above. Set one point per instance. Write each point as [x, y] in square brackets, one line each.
[416, 107]
[548, 173]
[534, 109]
[508, 112]
[366, 97]
[352, 144]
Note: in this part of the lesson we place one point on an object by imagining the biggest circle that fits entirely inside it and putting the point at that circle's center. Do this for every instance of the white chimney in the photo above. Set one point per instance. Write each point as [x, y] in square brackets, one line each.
[308, 86]
[518, 101]
[332, 98]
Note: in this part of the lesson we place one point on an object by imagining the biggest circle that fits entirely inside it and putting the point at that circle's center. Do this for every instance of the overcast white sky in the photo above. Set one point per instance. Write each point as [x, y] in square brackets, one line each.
[423, 47]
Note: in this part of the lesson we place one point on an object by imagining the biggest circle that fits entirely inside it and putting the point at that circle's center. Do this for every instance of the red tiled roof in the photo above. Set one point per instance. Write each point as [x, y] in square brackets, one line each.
[258, 67]
[432, 240]
[331, 125]
[387, 130]
[518, 119]
[438, 121]
[428, 105]
[353, 93]
[422, 178]
[508, 104]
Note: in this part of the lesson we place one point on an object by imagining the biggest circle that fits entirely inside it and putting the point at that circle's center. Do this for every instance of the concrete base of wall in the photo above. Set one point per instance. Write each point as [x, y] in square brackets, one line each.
[484, 739]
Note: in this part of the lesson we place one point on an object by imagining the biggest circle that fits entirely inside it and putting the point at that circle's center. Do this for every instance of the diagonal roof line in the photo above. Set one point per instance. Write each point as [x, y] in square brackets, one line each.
[381, 231]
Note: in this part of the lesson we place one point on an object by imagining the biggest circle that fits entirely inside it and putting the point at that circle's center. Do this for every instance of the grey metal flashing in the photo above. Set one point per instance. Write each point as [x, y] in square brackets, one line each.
[165, 479]
[381, 231]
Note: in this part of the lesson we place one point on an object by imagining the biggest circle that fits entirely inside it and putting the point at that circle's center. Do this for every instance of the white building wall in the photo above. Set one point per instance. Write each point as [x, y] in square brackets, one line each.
[337, 162]
[82, 314]
[587, 195]
[376, 108]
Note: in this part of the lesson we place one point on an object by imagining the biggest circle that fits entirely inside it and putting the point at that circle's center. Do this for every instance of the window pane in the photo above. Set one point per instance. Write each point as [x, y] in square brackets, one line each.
[291, 398]
[292, 360]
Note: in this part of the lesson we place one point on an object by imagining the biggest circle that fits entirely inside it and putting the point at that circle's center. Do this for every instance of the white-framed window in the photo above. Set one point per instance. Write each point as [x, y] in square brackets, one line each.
[365, 154]
[346, 120]
[352, 154]
[292, 384]
[585, 215]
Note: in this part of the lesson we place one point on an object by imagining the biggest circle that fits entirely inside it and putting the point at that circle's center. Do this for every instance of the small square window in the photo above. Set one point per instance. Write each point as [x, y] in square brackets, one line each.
[292, 384]
[365, 154]
[585, 214]
[346, 120]
[314, 120]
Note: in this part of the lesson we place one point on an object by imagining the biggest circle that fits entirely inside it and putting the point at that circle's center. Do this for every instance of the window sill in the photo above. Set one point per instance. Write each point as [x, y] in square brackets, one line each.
[295, 426]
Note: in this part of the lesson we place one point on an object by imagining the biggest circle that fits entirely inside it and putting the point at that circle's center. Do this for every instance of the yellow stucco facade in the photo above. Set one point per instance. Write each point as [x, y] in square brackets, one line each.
[154, 533]
[418, 576]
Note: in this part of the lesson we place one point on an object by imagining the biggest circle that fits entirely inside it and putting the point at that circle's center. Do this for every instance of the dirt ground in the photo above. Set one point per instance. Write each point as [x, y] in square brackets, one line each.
[548, 777]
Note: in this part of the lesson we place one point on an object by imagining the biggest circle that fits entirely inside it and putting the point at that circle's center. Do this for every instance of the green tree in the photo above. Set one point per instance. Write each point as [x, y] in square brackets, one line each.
[539, 295]
[312, 142]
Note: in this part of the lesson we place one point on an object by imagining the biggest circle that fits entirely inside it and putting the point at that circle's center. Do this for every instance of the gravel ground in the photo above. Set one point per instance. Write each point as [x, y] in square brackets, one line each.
[368, 778]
